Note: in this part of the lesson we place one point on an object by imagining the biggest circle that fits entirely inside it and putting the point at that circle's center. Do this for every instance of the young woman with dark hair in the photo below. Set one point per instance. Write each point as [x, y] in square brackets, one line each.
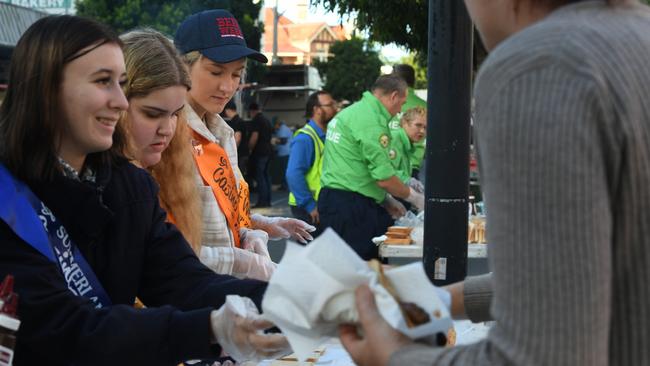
[81, 229]
[30, 123]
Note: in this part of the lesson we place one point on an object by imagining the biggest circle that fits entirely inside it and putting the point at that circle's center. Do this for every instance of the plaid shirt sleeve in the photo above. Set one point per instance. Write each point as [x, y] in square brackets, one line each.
[217, 242]
[218, 259]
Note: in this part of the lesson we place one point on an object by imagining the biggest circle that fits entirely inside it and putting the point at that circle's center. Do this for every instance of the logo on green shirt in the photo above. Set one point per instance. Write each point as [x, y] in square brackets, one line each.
[384, 140]
[331, 134]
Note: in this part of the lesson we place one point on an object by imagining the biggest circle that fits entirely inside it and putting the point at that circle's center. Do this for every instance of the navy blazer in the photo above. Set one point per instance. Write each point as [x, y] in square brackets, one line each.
[120, 228]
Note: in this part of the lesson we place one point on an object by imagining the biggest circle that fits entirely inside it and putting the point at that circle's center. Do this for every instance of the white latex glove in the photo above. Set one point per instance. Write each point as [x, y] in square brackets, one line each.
[225, 363]
[238, 328]
[255, 241]
[215, 363]
[416, 199]
[247, 264]
[394, 207]
[283, 228]
[416, 184]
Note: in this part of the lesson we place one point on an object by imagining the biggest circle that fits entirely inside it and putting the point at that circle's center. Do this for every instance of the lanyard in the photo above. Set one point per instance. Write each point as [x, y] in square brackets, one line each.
[35, 224]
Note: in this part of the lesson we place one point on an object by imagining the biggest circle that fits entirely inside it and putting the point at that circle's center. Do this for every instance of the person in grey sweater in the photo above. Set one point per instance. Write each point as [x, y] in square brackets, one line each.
[563, 135]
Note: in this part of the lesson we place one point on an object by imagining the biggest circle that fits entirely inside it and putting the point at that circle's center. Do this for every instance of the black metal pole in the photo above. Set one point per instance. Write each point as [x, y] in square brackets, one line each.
[447, 153]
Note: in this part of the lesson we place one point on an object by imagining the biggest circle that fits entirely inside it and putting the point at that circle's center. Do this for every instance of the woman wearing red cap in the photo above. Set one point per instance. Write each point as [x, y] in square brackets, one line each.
[233, 241]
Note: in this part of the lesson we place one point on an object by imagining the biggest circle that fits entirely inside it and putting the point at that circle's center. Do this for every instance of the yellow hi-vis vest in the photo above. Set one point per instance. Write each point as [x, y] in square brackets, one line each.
[313, 175]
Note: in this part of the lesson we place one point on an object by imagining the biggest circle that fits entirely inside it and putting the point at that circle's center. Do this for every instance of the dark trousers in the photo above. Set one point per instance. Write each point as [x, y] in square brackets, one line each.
[244, 168]
[263, 180]
[302, 214]
[278, 168]
[356, 218]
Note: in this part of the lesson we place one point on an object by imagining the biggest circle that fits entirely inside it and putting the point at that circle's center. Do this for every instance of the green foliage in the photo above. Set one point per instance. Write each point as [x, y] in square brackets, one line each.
[124, 15]
[351, 70]
[166, 15]
[403, 22]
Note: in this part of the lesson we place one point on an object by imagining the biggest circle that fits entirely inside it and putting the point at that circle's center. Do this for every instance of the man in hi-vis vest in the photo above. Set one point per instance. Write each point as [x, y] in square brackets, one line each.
[306, 158]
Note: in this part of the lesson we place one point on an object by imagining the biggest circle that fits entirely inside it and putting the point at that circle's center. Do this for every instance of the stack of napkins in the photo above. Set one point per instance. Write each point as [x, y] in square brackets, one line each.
[312, 292]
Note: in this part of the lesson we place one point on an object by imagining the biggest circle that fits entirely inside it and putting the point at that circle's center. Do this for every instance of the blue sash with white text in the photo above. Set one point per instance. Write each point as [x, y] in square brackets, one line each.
[34, 223]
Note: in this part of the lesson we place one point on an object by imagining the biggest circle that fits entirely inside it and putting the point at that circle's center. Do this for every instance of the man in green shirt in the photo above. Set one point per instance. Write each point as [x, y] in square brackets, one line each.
[407, 73]
[358, 171]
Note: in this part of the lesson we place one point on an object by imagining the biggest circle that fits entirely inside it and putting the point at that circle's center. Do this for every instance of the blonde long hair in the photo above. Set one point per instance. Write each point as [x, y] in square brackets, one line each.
[152, 63]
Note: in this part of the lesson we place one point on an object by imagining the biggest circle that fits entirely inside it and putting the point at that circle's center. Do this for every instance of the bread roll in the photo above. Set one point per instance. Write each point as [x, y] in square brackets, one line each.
[398, 241]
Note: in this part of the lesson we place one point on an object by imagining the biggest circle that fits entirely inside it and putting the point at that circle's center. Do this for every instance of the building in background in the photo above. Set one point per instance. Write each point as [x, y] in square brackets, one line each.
[284, 89]
[14, 20]
[300, 42]
[48, 6]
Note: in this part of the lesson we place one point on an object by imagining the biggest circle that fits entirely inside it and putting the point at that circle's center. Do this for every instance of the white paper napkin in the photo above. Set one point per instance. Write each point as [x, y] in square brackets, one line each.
[312, 292]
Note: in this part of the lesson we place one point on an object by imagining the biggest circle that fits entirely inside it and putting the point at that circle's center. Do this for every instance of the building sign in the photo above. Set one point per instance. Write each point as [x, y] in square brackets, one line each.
[50, 6]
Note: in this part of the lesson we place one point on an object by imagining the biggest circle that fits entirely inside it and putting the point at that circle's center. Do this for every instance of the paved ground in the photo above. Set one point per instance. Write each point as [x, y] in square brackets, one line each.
[279, 207]
[279, 204]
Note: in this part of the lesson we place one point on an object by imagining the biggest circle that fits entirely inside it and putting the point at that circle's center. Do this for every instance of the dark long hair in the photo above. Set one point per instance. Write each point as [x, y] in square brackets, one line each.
[31, 114]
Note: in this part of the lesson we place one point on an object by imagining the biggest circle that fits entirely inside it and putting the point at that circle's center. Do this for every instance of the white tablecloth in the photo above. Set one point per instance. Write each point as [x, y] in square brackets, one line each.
[415, 251]
[335, 355]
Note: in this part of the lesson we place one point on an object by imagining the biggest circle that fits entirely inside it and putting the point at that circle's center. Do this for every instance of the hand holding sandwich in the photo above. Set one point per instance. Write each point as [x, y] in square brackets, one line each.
[379, 341]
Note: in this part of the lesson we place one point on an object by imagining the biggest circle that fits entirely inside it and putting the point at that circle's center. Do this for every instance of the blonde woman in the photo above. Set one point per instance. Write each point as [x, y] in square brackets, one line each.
[157, 85]
[233, 242]
[404, 145]
[156, 90]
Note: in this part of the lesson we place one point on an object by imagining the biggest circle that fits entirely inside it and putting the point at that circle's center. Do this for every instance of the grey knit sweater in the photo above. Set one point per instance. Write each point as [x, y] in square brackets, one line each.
[563, 133]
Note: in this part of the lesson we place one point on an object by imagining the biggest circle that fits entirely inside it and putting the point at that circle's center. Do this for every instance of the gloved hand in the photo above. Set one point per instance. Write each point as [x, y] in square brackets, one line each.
[255, 241]
[225, 363]
[251, 265]
[237, 327]
[394, 207]
[416, 199]
[283, 227]
[416, 184]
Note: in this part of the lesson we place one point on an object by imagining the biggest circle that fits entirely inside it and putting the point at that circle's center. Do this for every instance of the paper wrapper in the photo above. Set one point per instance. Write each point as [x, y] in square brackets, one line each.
[312, 292]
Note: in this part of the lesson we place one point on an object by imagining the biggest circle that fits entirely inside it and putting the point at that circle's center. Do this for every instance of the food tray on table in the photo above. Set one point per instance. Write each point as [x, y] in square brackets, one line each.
[406, 242]
[414, 251]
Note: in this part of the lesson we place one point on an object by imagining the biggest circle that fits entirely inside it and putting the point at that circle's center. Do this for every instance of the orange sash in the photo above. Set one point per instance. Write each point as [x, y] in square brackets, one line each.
[170, 218]
[244, 204]
[214, 167]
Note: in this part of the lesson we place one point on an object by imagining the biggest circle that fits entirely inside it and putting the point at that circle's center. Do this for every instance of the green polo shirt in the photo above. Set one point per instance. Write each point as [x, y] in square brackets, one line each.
[401, 151]
[412, 100]
[357, 149]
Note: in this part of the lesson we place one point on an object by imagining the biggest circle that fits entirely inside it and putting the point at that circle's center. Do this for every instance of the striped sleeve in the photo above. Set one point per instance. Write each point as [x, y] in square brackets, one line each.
[218, 259]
